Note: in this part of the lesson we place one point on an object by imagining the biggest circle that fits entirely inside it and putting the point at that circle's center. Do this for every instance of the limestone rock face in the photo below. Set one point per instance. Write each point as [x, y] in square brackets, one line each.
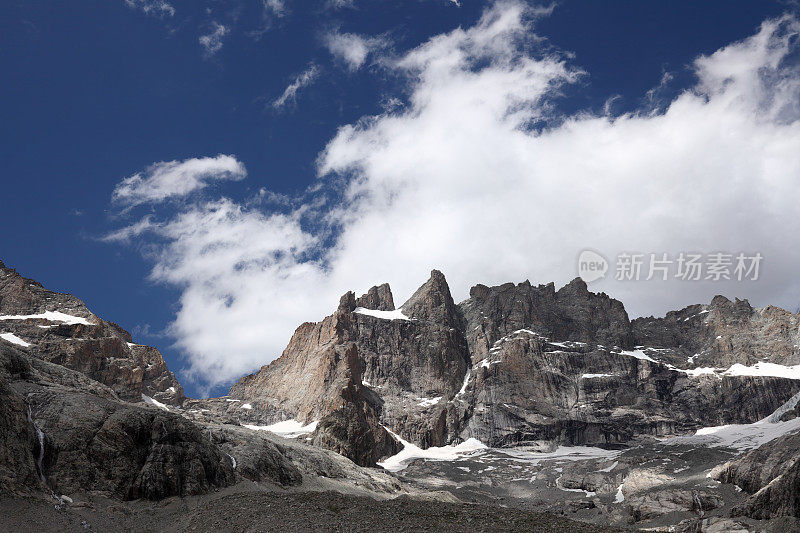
[60, 329]
[570, 314]
[529, 389]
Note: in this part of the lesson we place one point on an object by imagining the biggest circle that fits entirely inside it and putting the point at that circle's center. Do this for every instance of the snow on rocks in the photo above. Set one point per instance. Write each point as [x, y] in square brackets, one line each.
[52, 316]
[155, 403]
[764, 369]
[289, 429]
[410, 452]
[397, 314]
[742, 437]
[428, 402]
[13, 339]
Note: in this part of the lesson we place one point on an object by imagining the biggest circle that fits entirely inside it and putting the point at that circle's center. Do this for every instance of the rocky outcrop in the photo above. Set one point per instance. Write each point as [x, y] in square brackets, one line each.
[64, 432]
[722, 334]
[60, 329]
[19, 444]
[531, 390]
[319, 379]
[378, 297]
[353, 372]
[570, 314]
[771, 475]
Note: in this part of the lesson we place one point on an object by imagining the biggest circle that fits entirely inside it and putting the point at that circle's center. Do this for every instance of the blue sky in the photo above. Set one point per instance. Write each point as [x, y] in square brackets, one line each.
[98, 91]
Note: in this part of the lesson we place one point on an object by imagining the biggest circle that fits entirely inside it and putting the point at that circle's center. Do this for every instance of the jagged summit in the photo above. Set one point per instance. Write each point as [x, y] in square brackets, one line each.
[378, 298]
[60, 329]
[433, 302]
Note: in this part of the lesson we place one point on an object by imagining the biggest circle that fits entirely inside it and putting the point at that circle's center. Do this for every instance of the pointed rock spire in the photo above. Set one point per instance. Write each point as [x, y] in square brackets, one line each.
[433, 302]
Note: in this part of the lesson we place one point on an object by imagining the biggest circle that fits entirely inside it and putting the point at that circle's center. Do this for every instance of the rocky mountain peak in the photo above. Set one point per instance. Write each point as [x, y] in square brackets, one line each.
[60, 329]
[378, 298]
[576, 286]
[433, 302]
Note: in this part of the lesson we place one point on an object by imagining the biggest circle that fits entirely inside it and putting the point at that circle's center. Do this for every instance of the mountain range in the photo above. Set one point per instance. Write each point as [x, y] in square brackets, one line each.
[596, 410]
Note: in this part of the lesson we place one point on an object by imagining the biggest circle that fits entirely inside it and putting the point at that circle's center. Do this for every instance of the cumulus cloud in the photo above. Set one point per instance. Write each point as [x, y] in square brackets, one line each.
[212, 41]
[303, 79]
[172, 179]
[478, 173]
[352, 49]
[152, 7]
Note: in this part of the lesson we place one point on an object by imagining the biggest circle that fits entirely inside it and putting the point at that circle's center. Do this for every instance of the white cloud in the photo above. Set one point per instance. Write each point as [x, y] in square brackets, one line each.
[152, 7]
[276, 7]
[352, 49]
[340, 4]
[303, 79]
[212, 41]
[480, 176]
[171, 179]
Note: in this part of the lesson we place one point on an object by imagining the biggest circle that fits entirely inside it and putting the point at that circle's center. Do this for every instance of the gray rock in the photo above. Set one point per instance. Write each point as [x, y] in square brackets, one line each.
[101, 350]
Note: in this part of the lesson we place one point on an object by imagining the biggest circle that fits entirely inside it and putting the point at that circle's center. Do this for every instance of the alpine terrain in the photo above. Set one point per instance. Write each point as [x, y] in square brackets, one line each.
[523, 408]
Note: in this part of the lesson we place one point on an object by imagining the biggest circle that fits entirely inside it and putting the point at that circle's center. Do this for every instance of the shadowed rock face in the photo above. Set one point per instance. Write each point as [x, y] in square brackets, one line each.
[91, 440]
[86, 343]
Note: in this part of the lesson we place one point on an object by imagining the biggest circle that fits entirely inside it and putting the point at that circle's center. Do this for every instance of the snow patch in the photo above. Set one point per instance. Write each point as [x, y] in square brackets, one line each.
[427, 402]
[531, 455]
[246, 406]
[150, 401]
[411, 452]
[13, 339]
[591, 376]
[397, 314]
[638, 354]
[289, 429]
[52, 316]
[620, 497]
[466, 382]
[765, 369]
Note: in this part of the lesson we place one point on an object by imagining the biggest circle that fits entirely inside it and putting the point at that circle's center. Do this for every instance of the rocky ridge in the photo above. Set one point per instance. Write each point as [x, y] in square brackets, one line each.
[60, 329]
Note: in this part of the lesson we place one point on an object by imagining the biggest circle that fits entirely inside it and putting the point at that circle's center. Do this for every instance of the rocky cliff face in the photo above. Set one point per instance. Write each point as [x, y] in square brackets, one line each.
[67, 432]
[523, 364]
[60, 329]
[769, 474]
[374, 369]
[723, 333]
